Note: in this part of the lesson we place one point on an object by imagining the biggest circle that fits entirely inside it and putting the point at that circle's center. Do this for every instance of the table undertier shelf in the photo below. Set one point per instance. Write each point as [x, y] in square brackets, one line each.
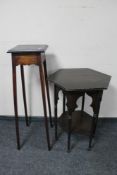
[81, 122]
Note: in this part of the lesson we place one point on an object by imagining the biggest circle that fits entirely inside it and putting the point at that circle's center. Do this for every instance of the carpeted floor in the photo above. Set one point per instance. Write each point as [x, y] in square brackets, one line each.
[35, 159]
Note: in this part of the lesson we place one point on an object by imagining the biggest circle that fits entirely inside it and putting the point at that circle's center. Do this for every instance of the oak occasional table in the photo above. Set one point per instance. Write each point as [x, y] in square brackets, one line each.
[75, 83]
[28, 55]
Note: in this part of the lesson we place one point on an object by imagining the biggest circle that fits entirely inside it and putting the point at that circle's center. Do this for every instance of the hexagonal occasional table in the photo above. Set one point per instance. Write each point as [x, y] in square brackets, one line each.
[75, 83]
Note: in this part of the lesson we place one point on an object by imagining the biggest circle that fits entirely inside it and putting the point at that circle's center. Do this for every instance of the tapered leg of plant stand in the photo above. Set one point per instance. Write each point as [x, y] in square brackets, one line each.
[42, 79]
[24, 94]
[15, 105]
[48, 95]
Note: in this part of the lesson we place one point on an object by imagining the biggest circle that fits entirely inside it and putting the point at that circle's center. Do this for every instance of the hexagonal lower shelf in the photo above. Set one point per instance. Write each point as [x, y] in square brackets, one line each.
[81, 122]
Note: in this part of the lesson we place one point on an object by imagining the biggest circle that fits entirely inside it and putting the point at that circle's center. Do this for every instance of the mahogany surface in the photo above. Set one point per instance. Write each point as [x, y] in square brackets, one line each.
[27, 55]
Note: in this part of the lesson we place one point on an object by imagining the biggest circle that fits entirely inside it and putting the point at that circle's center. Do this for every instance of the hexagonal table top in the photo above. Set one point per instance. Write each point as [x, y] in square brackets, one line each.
[80, 79]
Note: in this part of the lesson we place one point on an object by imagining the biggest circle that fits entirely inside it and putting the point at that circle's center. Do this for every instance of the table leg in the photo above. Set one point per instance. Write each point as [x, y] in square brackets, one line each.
[56, 91]
[63, 103]
[69, 132]
[91, 131]
[24, 94]
[71, 105]
[83, 99]
[42, 79]
[48, 95]
[15, 105]
[98, 109]
[96, 100]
